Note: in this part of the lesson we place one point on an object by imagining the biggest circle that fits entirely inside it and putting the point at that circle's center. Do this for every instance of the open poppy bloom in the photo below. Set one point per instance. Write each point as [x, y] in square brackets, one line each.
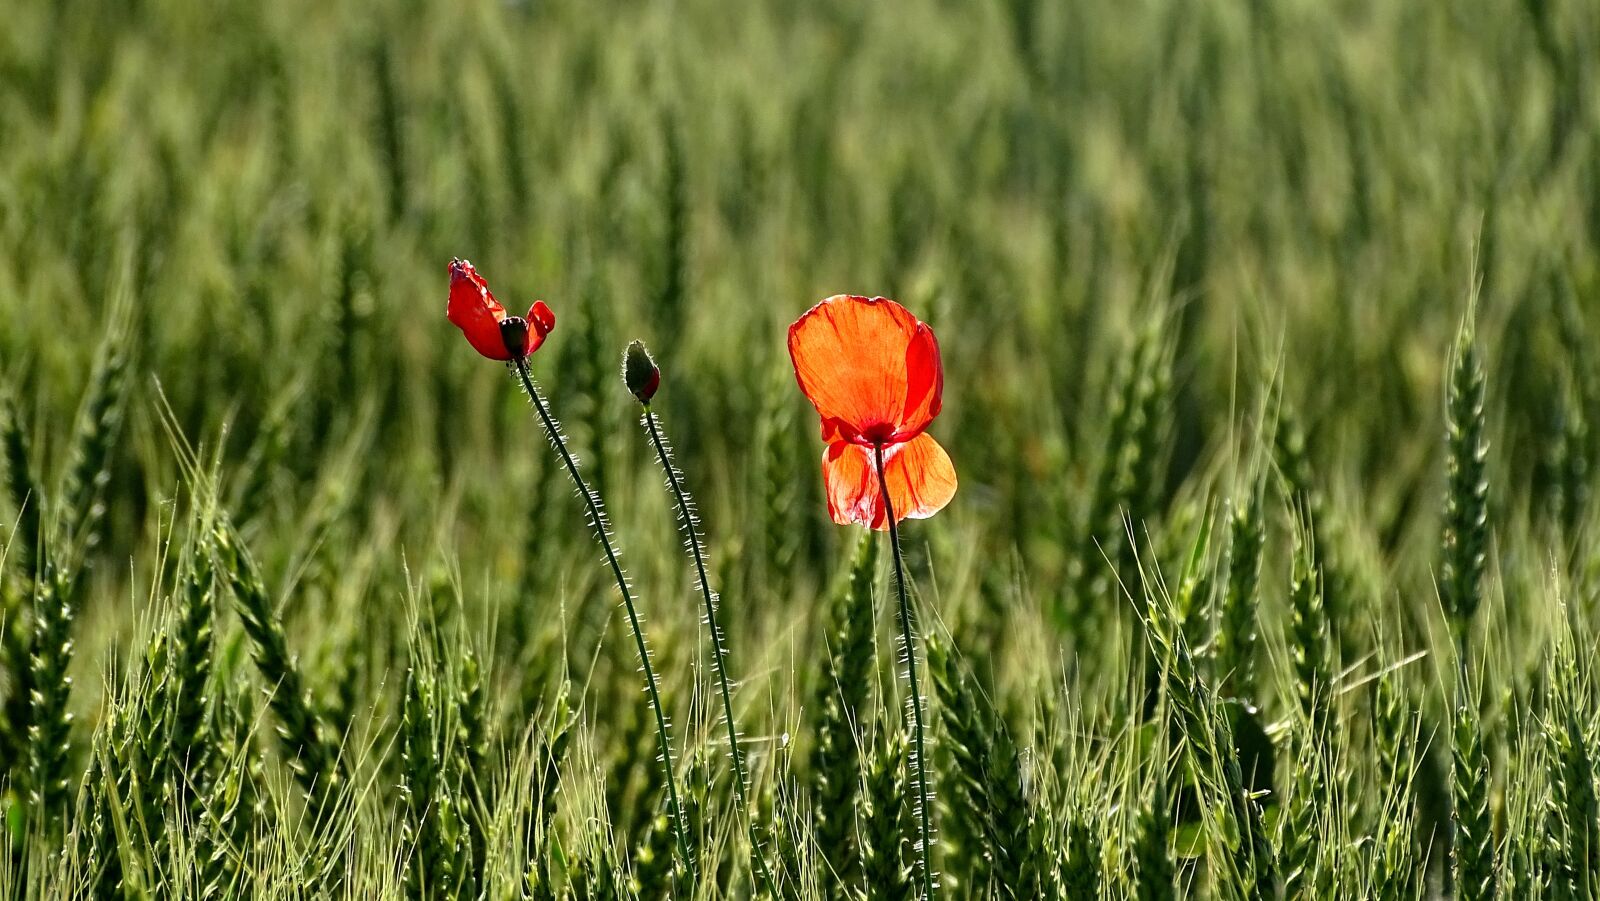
[873, 373]
[484, 321]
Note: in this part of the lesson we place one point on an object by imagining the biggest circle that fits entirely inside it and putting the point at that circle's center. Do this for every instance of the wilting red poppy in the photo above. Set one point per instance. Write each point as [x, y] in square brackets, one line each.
[873, 373]
[484, 321]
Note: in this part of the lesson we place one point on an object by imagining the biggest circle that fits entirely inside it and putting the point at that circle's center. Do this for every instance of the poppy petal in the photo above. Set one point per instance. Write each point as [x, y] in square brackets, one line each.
[924, 385]
[474, 310]
[851, 485]
[921, 479]
[541, 322]
[869, 367]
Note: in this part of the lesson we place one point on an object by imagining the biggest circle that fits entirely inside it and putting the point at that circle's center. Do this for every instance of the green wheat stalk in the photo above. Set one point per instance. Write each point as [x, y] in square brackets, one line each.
[841, 699]
[1465, 539]
[1394, 729]
[472, 745]
[1152, 858]
[550, 750]
[779, 534]
[49, 719]
[99, 424]
[192, 640]
[886, 819]
[965, 742]
[432, 828]
[1472, 845]
[1235, 643]
[1308, 631]
[1298, 829]
[23, 486]
[1208, 737]
[147, 762]
[232, 804]
[1126, 487]
[1574, 812]
[16, 645]
[989, 785]
[313, 760]
[1082, 866]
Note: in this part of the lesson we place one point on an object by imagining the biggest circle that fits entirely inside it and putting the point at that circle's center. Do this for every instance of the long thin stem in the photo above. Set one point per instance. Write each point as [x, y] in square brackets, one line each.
[719, 650]
[603, 531]
[908, 634]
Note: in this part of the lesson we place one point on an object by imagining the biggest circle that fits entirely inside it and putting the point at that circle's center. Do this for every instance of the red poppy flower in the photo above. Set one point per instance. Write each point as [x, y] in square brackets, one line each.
[873, 373]
[484, 321]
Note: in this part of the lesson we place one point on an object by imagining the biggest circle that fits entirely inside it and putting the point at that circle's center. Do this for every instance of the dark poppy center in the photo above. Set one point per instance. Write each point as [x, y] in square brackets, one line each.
[514, 332]
[878, 433]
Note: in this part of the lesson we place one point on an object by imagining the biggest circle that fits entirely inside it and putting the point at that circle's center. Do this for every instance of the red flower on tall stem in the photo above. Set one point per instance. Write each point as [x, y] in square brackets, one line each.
[483, 320]
[873, 372]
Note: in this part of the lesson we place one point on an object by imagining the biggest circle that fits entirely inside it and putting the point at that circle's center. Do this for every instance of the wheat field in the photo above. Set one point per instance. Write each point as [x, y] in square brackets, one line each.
[1267, 335]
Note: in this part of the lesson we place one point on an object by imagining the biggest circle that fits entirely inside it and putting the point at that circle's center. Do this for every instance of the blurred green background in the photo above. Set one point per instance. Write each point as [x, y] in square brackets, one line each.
[1299, 188]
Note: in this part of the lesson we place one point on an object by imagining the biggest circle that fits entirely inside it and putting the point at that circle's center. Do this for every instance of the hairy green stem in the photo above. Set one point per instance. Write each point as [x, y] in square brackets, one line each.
[908, 634]
[719, 650]
[602, 531]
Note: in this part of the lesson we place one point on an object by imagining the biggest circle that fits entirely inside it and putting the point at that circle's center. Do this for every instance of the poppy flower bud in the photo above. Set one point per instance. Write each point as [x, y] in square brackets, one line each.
[639, 372]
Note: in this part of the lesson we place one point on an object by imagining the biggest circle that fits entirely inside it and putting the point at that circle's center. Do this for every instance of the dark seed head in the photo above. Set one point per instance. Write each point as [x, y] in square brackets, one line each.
[514, 332]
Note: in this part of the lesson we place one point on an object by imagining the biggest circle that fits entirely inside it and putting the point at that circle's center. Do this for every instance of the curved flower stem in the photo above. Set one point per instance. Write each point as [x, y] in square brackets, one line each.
[908, 634]
[602, 529]
[719, 650]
